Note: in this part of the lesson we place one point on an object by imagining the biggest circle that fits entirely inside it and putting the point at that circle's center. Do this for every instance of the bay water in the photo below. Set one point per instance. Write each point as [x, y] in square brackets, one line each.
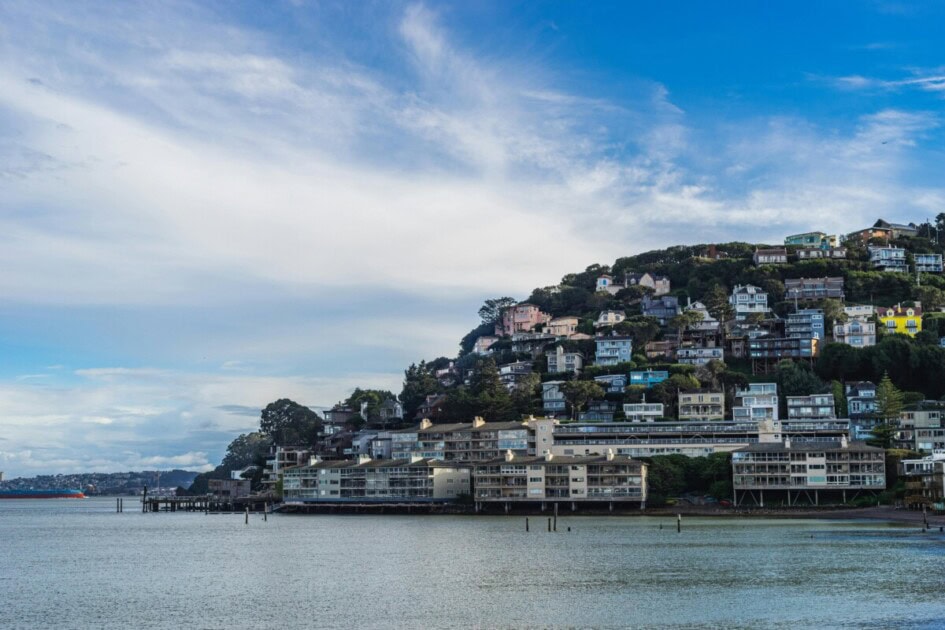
[78, 564]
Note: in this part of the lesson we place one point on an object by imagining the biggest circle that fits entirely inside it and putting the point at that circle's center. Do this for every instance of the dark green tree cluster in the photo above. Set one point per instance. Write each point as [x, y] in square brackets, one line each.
[670, 476]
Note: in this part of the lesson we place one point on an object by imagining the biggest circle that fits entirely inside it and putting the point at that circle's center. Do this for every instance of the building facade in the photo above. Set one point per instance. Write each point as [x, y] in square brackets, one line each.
[747, 299]
[756, 402]
[613, 350]
[701, 405]
[561, 362]
[889, 259]
[813, 288]
[901, 319]
[813, 407]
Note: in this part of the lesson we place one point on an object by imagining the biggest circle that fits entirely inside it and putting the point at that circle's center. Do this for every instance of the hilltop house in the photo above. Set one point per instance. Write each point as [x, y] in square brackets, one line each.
[612, 383]
[483, 344]
[813, 288]
[884, 230]
[815, 253]
[520, 318]
[552, 399]
[648, 378]
[770, 256]
[889, 259]
[819, 240]
[807, 323]
[757, 402]
[659, 284]
[699, 355]
[928, 263]
[859, 330]
[702, 405]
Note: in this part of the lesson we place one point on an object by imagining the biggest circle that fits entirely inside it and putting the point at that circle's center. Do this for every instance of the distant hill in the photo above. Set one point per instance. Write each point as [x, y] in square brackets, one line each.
[105, 483]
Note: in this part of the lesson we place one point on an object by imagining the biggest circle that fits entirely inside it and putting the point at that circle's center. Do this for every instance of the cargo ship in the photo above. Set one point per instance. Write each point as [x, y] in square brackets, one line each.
[55, 493]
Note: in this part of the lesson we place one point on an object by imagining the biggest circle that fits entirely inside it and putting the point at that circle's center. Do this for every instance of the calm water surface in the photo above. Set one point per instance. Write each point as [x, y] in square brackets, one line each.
[77, 564]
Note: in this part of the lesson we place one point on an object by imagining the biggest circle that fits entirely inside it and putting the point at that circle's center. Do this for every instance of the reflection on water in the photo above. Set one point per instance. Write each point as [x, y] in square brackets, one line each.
[73, 564]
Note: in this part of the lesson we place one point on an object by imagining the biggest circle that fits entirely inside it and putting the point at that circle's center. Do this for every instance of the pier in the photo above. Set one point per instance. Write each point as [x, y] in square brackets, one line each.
[206, 503]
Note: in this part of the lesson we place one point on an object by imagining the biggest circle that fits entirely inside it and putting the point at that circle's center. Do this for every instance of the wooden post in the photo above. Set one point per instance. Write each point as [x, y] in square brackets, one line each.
[549, 524]
[144, 500]
[265, 512]
[117, 503]
[526, 524]
[679, 523]
[556, 517]
[247, 516]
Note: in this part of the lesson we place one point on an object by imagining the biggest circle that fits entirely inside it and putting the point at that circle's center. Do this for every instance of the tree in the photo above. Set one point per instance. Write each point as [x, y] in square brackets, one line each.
[246, 450]
[289, 423]
[526, 396]
[419, 382]
[684, 320]
[491, 310]
[710, 374]
[579, 393]
[888, 400]
[716, 301]
[485, 379]
[373, 399]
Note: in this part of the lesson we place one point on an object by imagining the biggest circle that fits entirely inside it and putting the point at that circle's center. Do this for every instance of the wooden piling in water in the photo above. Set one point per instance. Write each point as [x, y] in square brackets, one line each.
[247, 516]
[679, 523]
[526, 524]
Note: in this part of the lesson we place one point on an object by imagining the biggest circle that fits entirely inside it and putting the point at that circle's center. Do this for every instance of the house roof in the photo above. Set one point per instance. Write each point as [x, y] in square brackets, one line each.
[561, 460]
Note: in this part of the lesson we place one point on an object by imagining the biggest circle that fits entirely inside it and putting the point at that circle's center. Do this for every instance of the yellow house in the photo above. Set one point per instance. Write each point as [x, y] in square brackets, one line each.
[899, 319]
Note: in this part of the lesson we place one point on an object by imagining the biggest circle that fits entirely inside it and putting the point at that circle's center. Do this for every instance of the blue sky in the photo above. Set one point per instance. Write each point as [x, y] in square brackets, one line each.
[208, 206]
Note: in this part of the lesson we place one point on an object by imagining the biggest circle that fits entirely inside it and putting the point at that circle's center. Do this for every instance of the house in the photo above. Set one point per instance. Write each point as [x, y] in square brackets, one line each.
[609, 318]
[699, 355]
[605, 282]
[511, 374]
[770, 256]
[598, 411]
[648, 378]
[432, 407]
[811, 239]
[807, 323]
[533, 343]
[747, 299]
[613, 350]
[756, 402]
[663, 308]
[774, 348]
[888, 259]
[560, 361]
[897, 230]
[813, 288]
[815, 253]
[805, 471]
[339, 415]
[643, 412]
[605, 478]
[612, 383]
[812, 407]
[552, 399]
[701, 405]
[661, 349]
[660, 285]
[707, 324]
[468, 441]
[856, 332]
[562, 326]
[901, 319]
[520, 318]
[229, 488]
[385, 412]
[483, 344]
[859, 330]
[928, 263]
[861, 406]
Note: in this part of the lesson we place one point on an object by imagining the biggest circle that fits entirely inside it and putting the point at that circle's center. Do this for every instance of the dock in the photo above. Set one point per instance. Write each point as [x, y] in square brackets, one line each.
[206, 504]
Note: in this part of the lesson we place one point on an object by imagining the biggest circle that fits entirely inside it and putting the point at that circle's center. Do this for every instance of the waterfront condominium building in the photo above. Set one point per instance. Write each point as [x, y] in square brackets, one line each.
[693, 439]
[553, 478]
[701, 405]
[376, 481]
[466, 442]
[791, 472]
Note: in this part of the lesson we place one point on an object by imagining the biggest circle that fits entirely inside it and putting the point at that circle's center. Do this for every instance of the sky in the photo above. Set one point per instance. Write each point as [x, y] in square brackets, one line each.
[205, 207]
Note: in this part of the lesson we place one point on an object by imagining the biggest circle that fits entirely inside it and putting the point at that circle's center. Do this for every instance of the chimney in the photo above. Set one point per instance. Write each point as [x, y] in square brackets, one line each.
[509, 456]
[416, 458]
[787, 442]
[478, 421]
[315, 459]
[610, 454]
[843, 442]
[363, 459]
[426, 423]
[549, 455]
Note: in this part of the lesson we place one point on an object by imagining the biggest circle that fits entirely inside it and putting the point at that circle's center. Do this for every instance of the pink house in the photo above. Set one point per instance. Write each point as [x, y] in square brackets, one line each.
[520, 318]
